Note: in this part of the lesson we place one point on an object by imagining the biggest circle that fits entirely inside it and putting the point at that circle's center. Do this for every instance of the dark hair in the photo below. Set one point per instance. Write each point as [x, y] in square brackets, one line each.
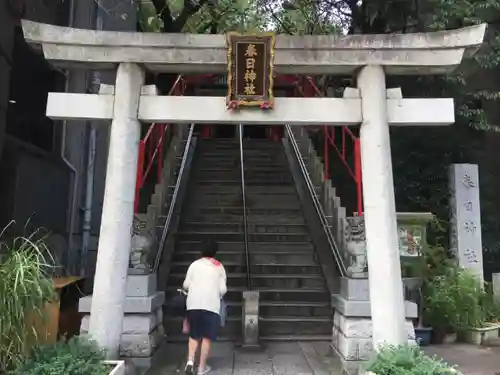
[209, 248]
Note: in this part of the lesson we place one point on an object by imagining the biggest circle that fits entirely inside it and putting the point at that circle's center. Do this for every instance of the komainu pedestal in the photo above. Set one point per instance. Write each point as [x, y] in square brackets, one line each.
[352, 323]
[142, 331]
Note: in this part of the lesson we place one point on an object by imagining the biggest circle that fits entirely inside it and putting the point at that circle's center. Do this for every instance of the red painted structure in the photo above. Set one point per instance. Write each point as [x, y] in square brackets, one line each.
[151, 147]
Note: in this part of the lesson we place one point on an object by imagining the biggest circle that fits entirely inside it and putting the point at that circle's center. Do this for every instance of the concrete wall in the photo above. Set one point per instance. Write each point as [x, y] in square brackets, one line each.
[31, 179]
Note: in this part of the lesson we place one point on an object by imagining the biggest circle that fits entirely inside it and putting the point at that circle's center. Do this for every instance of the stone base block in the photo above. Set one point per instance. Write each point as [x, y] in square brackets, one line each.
[352, 339]
[361, 309]
[354, 289]
[133, 305]
[139, 345]
[141, 285]
[362, 327]
[134, 323]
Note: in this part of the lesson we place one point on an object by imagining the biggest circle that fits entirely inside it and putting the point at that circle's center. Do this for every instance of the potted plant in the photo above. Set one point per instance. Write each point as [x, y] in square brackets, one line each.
[451, 303]
[25, 288]
[78, 356]
[486, 327]
[408, 360]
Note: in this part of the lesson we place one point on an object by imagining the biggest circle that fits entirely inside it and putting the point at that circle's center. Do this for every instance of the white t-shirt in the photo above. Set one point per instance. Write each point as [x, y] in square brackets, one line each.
[206, 284]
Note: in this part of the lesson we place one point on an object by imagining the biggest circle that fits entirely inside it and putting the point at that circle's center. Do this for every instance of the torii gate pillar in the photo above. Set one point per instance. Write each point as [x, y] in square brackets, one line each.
[106, 317]
[386, 288]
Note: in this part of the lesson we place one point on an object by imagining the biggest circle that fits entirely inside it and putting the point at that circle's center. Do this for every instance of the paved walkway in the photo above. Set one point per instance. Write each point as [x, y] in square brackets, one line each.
[301, 358]
[277, 359]
[469, 359]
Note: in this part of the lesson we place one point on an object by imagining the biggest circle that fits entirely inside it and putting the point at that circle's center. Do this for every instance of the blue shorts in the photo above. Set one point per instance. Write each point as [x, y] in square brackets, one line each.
[203, 324]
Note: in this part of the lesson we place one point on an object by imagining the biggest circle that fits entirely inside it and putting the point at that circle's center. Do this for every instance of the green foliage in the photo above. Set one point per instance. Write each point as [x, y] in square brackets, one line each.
[454, 301]
[406, 360]
[229, 15]
[25, 287]
[472, 100]
[490, 305]
[75, 357]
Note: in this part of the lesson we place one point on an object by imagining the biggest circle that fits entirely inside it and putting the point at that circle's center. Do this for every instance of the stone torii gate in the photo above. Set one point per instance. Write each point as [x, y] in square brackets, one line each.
[369, 57]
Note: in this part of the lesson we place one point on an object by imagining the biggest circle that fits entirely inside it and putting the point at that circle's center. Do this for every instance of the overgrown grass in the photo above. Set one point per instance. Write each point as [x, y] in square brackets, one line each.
[25, 287]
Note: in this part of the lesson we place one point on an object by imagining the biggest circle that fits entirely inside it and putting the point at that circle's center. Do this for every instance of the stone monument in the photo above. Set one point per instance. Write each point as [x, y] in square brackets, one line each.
[465, 217]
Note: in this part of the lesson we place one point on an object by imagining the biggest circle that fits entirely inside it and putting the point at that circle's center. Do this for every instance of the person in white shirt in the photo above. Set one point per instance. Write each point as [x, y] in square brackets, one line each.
[205, 284]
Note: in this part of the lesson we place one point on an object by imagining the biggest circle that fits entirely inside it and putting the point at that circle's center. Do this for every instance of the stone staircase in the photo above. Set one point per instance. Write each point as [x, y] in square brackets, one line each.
[208, 215]
[294, 301]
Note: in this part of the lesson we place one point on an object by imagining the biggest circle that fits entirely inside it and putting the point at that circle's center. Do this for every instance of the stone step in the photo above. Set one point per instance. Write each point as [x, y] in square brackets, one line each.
[247, 145]
[201, 170]
[208, 209]
[248, 163]
[236, 237]
[234, 294]
[296, 309]
[248, 153]
[274, 281]
[295, 295]
[270, 326]
[247, 142]
[307, 258]
[233, 327]
[258, 178]
[228, 218]
[232, 167]
[236, 257]
[248, 182]
[263, 247]
[252, 200]
[178, 338]
[208, 159]
[296, 338]
[252, 190]
[238, 280]
[232, 309]
[252, 228]
[257, 269]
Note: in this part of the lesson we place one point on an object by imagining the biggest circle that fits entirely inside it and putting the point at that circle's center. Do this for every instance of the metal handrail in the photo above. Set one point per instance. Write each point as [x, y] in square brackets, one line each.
[317, 205]
[244, 202]
[173, 200]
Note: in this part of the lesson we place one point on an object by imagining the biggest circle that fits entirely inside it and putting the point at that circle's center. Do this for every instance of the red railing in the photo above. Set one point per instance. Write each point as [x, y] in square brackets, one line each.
[308, 88]
[151, 147]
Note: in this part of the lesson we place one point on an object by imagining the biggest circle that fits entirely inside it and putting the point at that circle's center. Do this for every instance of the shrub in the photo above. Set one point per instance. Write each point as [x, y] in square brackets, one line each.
[77, 356]
[453, 301]
[25, 287]
[406, 360]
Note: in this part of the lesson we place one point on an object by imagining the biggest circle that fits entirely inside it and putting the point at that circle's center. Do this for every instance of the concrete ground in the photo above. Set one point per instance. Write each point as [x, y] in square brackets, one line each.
[298, 358]
[469, 359]
[312, 358]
